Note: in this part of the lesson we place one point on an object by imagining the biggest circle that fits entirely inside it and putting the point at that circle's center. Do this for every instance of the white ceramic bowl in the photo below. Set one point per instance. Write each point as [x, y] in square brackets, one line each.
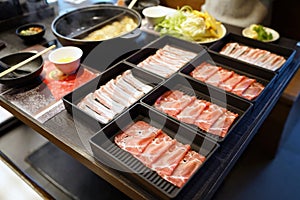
[66, 59]
[154, 15]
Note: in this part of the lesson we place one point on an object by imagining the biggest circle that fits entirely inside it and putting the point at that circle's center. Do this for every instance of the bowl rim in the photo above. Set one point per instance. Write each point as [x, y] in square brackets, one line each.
[61, 49]
[22, 27]
[58, 35]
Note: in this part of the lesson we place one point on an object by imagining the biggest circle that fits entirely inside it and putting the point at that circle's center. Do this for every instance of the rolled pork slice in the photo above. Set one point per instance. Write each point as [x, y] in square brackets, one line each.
[136, 137]
[167, 162]
[96, 106]
[108, 102]
[121, 83]
[186, 168]
[119, 92]
[92, 113]
[106, 90]
[129, 78]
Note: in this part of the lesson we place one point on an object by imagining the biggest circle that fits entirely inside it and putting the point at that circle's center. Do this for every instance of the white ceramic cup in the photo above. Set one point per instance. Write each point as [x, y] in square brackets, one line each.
[154, 15]
[66, 59]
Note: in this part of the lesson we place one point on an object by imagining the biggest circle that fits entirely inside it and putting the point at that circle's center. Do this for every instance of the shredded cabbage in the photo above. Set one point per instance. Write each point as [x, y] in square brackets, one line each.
[190, 24]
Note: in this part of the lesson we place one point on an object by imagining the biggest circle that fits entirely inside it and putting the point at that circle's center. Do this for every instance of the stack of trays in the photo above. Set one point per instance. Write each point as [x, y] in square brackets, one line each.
[229, 107]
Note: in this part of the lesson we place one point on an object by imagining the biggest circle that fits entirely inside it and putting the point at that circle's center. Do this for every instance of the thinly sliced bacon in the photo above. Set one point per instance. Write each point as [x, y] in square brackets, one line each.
[119, 92]
[204, 71]
[86, 109]
[97, 107]
[186, 168]
[209, 116]
[166, 163]
[192, 111]
[105, 90]
[242, 86]
[173, 102]
[253, 91]
[219, 77]
[129, 78]
[260, 57]
[155, 149]
[137, 137]
[179, 52]
[229, 47]
[156, 69]
[108, 102]
[230, 83]
[122, 84]
[239, 50]
[222, 125]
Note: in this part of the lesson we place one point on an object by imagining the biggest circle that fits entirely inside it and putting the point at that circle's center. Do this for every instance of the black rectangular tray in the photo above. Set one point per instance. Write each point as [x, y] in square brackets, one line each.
[107, 152]
[72, 99]
[287, 53]
[159, 43]
[261, 75]
[205, 92]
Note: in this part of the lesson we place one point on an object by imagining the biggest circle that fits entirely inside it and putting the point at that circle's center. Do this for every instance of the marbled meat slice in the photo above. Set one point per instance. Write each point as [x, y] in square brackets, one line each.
[168, 161]
[253, 91]
[155, 149]
[192, 111]
[209, 116]
[137, 137]
[219, 77]
[222, 125]
[230, 83]
[173, 102]
[185, 169]
[204, 71]
[242, 86]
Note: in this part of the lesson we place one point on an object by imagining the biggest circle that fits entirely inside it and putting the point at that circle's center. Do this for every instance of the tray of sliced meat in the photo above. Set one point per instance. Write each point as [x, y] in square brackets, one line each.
[105, 97]
[212, 112]
[241, 79]
[159, 153]
[266, 55]
[165, 56]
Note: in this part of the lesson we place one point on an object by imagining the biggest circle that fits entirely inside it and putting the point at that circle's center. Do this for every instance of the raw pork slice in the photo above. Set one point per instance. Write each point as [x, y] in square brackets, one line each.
[137, 137]
[231, 82]
[209, 116]
[253, 91]
[204, 71]
[222, 125]
[155, 149]
[186, 168]
[129, 78]
[192, 111]
[173, 102]
[219, 77]
[242, 86]
[168, 161]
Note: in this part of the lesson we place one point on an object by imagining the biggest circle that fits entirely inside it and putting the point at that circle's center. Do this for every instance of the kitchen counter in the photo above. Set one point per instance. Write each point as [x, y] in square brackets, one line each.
[63, 131]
